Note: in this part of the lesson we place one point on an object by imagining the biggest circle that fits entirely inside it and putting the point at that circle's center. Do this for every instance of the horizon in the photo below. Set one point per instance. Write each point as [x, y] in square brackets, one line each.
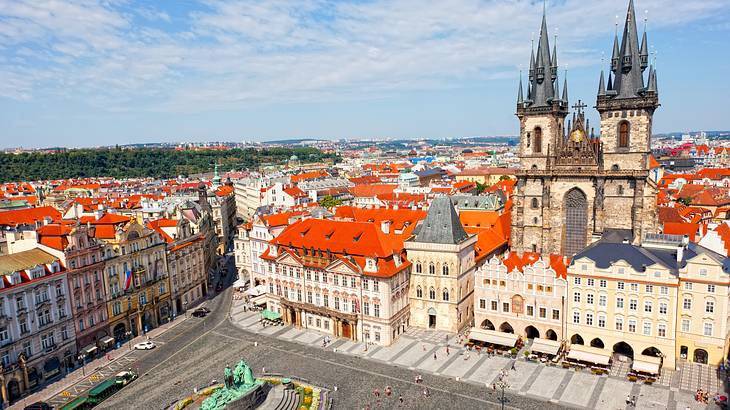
[126, 73]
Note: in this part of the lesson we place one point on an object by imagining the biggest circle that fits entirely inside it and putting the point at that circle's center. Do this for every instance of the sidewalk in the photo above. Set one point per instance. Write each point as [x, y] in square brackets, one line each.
[80, 374]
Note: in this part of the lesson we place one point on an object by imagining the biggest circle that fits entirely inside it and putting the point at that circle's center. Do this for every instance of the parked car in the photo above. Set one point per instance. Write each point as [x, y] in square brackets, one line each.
[146, 345]
[201, 312]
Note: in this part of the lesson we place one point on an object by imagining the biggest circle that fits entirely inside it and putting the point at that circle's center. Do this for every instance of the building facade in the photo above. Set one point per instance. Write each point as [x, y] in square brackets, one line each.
[573, 185]
[442, 278]
[37, 340]
[137, 279]
[346, 279]
[522, 295]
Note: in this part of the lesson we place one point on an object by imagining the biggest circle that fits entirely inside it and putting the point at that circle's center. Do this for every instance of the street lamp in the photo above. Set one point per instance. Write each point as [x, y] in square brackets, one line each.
[129, 338]
[502, 384]
[82, 357]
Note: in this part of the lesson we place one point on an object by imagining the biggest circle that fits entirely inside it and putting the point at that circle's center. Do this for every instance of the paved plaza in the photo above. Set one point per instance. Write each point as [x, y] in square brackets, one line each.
[425, 351]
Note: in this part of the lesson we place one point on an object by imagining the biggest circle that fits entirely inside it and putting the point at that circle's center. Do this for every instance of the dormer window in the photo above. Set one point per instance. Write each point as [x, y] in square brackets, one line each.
[370, 265]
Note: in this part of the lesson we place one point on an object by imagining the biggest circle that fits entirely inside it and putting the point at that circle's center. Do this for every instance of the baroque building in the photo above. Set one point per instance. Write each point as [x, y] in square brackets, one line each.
[573, 186]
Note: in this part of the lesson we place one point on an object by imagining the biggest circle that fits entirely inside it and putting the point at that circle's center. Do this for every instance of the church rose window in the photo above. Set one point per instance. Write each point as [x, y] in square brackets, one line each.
[576, 222]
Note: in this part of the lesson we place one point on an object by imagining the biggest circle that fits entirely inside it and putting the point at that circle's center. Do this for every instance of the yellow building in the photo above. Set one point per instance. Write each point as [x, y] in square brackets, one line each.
[667, 298]
[137, 280]
[485, 176]
[703, 312]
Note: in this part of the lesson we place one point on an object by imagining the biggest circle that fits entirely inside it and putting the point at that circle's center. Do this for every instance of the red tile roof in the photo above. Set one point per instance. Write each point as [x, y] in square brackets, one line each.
[309, 175]
[28, 216]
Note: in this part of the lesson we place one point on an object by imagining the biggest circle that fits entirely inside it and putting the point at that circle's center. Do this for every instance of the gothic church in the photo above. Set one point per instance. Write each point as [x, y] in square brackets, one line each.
[573, 186]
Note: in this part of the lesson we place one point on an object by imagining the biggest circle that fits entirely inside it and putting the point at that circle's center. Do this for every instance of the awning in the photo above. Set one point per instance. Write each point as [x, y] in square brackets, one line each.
[547, 346]
[240, 283]
[494, 337]
[589, 354]
[646, 364]
[257, 290]
[107, 340]
[259, 300]
[89, 349]
[269, 315]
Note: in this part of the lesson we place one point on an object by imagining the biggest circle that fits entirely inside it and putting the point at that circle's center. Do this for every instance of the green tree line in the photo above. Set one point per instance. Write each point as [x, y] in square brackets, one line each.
[143, 162]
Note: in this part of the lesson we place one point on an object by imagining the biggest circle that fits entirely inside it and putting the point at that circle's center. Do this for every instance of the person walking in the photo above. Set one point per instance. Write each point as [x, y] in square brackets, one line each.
[513, 366]
[400, 399]
[434, 356]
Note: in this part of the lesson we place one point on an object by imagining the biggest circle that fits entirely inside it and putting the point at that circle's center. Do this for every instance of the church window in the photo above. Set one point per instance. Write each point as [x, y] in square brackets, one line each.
[538, 140]
[623, 134]
[445, 270]
[431, 269]
[418, 267]
[576, 222]
[534, 221]
[614, 167]
[535, 203]
[528, 140]
[620, 190]
[419, 292]
[432, 293]
[534, 248]
[446, 294]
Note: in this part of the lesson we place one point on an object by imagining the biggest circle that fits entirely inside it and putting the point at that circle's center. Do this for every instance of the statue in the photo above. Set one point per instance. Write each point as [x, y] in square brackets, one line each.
[237, 383]
[228, 377]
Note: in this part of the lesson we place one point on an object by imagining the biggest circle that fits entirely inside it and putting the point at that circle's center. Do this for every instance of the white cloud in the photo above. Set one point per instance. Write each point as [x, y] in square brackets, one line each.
[227, 53]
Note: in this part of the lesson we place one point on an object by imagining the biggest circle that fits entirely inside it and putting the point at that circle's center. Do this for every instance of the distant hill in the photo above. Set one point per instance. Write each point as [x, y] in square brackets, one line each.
[134, 163]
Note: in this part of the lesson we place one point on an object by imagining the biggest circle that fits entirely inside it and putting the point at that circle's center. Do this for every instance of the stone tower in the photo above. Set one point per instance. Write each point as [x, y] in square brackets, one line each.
[574, 186]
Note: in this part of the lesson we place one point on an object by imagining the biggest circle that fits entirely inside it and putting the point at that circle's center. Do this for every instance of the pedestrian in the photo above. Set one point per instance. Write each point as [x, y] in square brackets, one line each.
[494, 386]
[424, 347]
[434, 355]
[447, 350]
[513, 366]
[335, 387]
[263, 370]
[633, 401]
[400, 399]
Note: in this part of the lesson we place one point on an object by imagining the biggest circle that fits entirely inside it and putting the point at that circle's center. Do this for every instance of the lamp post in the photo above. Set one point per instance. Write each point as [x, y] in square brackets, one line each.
[129, 338]
[502, 384]
[82, 357]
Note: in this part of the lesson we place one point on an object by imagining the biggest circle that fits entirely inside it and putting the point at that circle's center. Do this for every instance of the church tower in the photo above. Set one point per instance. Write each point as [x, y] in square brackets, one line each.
[574, 186]
[626, 105]
[542, 117]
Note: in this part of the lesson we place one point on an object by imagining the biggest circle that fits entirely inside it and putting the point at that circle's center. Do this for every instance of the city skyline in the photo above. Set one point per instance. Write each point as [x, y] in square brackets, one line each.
[88, 74]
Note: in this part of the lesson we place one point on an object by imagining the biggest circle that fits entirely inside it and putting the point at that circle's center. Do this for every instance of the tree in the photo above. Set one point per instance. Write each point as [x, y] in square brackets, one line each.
[329, 202]
[505, 178]
[685, 201]
[481, 187]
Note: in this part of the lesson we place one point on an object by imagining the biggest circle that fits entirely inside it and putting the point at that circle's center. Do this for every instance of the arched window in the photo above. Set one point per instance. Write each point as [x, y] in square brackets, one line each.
[535, 203]
[538, 140]
[528, 140]
[418, 267]
[446, 294]
[432, 293]
[445, 270]
[431, 269]
[419, 292]
[620, 190]
[623, 134]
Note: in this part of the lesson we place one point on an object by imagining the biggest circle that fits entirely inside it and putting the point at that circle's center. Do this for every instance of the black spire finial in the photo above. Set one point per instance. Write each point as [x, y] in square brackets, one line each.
[601, 86]
[565, 87]
[520, 98]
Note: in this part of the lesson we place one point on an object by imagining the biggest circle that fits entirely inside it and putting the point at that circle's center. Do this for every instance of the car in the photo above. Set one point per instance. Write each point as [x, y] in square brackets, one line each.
[146, 345]
[201, 311]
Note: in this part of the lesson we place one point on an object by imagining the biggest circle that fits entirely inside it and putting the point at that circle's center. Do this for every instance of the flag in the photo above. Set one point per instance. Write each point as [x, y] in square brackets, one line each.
[128, 280]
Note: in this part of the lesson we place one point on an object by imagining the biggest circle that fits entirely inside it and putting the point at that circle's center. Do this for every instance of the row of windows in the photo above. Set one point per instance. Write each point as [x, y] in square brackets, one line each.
[633, 303]
[600, 321]
[620, 285]
[529, 309]
[530, 286]
[432, 293]
[432, 269]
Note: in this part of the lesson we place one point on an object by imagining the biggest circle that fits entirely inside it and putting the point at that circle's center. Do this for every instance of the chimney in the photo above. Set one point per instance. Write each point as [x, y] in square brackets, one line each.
[680, 253]
[385, 226]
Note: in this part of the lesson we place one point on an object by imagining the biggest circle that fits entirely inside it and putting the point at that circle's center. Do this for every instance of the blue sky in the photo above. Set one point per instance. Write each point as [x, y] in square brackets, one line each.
[98, 72]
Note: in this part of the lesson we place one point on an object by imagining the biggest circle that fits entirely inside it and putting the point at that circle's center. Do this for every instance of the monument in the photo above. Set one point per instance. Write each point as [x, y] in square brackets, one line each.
[240, 389]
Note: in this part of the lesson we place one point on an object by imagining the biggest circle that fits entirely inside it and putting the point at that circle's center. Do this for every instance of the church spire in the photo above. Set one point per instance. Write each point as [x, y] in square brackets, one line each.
[520, 98]
[616, 53]
[644, 52]
[629, 81]
[601, 86]
[565, 88]
[543, 70]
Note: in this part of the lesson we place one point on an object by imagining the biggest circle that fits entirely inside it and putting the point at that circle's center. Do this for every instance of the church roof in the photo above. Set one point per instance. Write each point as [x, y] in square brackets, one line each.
[442, 224]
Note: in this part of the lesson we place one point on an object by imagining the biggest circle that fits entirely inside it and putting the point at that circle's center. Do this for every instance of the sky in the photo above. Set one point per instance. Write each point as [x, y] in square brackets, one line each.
[100, 72]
